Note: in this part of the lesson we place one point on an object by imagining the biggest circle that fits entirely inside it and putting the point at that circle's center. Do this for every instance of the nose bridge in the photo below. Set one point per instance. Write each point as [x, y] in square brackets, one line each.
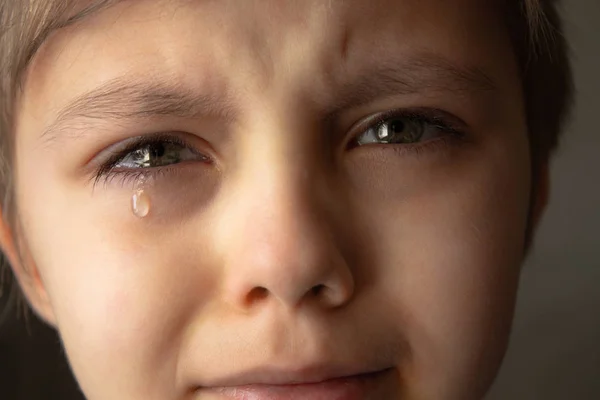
[278, 243]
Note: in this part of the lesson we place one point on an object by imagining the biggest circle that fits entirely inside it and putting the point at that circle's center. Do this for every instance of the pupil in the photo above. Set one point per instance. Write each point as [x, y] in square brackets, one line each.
[397, 126]
[157, 150]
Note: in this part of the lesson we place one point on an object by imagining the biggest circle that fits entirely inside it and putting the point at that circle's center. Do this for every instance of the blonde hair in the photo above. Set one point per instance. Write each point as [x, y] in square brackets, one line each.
[534, 25]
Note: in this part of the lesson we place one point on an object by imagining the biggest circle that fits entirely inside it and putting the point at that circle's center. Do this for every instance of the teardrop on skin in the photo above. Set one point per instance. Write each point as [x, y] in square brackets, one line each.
[140, 204]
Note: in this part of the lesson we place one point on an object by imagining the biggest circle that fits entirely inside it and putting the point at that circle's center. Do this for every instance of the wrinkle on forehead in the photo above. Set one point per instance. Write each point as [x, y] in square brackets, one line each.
[315, 29]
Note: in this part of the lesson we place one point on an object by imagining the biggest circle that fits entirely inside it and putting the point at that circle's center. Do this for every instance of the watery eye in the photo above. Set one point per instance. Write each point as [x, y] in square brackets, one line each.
[400, 130]
[158, 154]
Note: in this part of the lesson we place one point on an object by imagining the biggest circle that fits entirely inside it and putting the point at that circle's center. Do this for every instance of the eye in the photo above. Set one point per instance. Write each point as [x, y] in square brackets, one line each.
[402, 127]
[146, 155]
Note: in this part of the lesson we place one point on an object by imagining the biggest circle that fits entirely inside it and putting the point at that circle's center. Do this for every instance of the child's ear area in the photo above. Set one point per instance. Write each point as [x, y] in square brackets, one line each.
[26, 274]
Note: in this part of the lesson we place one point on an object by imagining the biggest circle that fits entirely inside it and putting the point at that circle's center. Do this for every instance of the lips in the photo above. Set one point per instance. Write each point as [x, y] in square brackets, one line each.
[371, 385]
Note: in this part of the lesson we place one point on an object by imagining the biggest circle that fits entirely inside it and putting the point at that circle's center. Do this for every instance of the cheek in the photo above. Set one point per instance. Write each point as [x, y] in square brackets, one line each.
[121, 287]
[448, 238]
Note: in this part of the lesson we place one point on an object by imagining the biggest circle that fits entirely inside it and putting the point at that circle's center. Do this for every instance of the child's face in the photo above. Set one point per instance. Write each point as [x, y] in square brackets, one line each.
[305, 244]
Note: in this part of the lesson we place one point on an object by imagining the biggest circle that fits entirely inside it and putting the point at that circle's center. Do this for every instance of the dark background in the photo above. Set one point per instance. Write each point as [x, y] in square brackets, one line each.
[555, 347]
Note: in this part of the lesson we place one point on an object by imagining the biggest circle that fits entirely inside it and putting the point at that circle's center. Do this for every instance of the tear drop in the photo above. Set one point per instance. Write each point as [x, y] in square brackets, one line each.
[140, 204]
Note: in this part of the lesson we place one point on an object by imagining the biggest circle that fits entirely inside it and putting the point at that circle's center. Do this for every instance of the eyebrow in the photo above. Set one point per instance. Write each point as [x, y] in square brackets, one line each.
[126, 98]
[424, 73]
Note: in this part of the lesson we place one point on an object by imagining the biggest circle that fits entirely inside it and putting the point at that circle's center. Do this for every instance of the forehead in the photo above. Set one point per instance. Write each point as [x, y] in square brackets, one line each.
[254, 22]
[255, 45]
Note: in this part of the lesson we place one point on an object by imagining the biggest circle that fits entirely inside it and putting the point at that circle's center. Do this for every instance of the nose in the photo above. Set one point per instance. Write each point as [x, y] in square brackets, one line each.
[278, 243]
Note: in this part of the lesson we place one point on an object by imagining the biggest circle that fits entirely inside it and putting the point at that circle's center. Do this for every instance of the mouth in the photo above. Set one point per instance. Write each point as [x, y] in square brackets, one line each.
[371, 385]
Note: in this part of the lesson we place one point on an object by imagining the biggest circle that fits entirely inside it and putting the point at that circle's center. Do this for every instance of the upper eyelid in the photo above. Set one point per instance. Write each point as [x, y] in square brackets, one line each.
[434, 116]
[103, 164]
[133, 143]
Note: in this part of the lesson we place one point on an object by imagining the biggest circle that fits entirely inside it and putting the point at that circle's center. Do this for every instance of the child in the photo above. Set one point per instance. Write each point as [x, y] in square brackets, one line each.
[277, 199]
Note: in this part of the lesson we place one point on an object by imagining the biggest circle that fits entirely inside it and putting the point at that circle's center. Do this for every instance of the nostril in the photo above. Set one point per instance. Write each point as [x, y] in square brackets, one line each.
[317, 290]
[257, 294]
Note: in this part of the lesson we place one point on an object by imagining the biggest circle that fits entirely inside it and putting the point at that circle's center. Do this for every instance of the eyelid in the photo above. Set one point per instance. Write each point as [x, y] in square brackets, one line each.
[436, 117]
[104, 161]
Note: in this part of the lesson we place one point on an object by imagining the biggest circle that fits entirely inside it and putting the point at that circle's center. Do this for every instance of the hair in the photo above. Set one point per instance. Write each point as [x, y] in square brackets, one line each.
[535, 28]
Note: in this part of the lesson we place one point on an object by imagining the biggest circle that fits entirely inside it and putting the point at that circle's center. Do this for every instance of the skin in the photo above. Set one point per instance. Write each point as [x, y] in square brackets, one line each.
[415, 249]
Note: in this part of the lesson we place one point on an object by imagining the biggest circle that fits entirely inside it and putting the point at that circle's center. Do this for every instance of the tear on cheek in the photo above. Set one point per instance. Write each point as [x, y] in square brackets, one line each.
[140, 203]
[161, 203]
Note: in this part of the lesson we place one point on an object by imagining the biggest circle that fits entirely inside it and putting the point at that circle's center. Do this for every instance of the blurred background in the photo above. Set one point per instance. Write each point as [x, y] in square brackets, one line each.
[555, 347]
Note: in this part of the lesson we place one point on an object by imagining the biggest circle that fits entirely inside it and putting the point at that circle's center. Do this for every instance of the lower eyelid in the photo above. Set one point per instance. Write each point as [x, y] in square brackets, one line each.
[431, 145]
[129, 178]
[422, 148]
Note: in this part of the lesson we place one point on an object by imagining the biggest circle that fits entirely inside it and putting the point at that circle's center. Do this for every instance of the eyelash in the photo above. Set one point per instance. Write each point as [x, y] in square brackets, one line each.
[125, 177]
[447, 123]
[107, 172]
